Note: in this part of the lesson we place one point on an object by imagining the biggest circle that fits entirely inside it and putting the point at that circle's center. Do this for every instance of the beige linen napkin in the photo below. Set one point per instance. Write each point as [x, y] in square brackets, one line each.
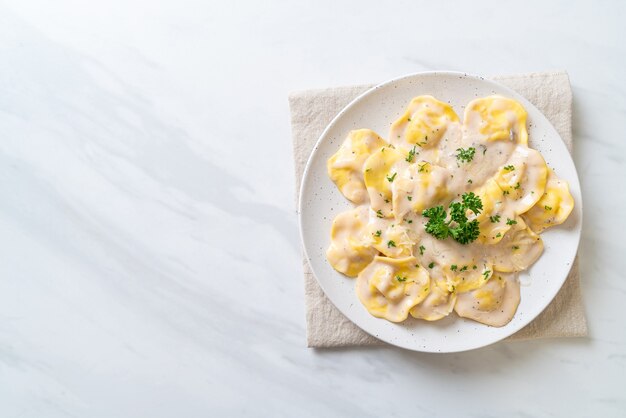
[312, 110]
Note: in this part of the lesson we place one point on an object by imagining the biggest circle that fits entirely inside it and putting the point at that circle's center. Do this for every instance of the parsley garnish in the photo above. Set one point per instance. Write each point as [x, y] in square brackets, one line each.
[458, 226]
[516, 247]
[390, 179]
[453, 267]
[494, 219]
[410, 198]
[498, 235]
[505, 192]
[431, 265]
[409, 158]
[379, 213]
[517, 186]
[422, 169]
[469, 181]
[378, 233]
[465, 155]
[464, 268]
[486, 274]
[472, 202]
[546, 207]
[390, 244]
[400, 279]
[509, 167]
[510, 221]
[422, 248]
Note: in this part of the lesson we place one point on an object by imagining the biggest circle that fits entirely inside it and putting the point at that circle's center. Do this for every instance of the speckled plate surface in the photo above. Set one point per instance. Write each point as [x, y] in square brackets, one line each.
[320, 202]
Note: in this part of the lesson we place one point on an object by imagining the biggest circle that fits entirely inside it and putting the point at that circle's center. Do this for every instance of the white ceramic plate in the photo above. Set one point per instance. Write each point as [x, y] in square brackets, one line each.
[320, 202]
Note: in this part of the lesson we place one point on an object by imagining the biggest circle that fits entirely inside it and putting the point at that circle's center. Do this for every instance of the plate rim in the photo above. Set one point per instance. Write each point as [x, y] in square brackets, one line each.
[353, 102]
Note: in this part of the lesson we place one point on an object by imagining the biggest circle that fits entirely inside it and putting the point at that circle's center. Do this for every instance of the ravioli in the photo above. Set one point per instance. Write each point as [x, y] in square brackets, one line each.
[423, 124]
[349, 251]
[345, 168]
[390, 237]
[493, 220]
[496, 118]
[437, 305]
[523, 179]
[493, 304]
[553, 208]
[515, 188]
[421, 185]
[390, 287]
[449, 213]
[466, 277]
[518, 250]
[379, 172]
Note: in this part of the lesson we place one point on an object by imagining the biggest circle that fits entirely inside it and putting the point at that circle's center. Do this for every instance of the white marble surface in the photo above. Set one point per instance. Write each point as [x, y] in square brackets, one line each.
[150, 254]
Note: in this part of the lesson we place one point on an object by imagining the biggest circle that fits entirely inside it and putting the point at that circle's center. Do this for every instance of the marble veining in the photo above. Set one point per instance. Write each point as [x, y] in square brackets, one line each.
[151, 258]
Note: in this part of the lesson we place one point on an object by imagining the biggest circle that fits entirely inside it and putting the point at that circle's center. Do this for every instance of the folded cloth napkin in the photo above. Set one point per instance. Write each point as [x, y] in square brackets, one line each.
[312, 110]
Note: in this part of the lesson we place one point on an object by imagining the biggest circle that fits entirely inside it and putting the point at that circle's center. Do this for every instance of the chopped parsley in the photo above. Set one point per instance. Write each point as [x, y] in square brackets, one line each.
[516, 247]
[390, 244]
[422, 169]
[409, 158]
[453, 267]
[509, 168]
[400, 279]
[505, 192]
[458, 226]
[469, 181]
[431, 265]
[465, 155]
[464, 268]
[498, 235]
[410, 198]
[422, 248]
[390, 179]
[494, 219]
[379, 213]
[486, 273]
[546, 207]
[517, 186]
[378, 233]
[510, 221]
